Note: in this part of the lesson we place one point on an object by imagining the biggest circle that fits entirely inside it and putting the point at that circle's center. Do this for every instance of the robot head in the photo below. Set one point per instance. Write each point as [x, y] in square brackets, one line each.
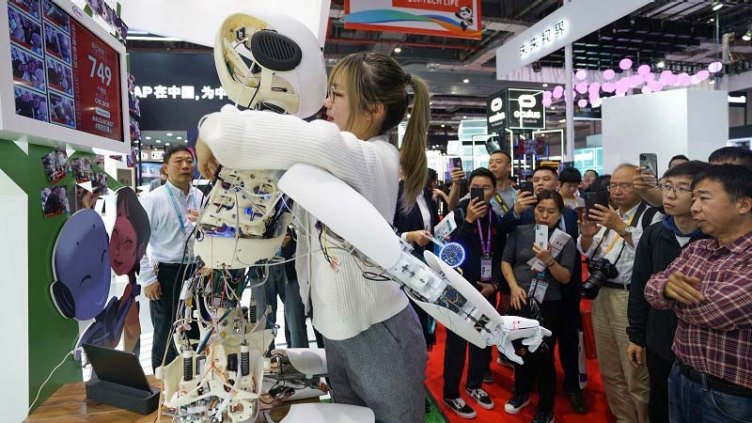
[81, 267]
[271, 62]
[465, 12]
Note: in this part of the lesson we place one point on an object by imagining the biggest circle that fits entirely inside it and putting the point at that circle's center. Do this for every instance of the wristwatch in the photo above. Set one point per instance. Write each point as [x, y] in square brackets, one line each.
[627, 231]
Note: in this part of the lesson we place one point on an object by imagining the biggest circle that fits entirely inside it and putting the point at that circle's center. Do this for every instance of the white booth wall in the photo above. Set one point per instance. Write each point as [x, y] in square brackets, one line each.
[14, 394]
[693, 122]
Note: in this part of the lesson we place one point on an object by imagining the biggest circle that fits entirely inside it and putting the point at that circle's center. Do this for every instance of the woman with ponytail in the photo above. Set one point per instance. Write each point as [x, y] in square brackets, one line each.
[376, 353]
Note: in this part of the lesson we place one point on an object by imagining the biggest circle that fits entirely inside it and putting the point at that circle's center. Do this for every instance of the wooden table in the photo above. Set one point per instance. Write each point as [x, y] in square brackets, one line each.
[69, 405]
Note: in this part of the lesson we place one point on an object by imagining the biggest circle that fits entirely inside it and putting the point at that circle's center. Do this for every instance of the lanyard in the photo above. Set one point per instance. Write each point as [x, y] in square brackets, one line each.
[501, 202]
[177, 209]
[485, 243]
[617, 238]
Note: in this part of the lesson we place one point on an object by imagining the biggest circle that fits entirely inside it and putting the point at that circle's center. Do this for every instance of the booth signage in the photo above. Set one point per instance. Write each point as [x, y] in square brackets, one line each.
[175, 90]
[183, 92]
[515, 108]
[444, 18]
[496, 112]
[566, 25]
[525, 109]
[546, 37]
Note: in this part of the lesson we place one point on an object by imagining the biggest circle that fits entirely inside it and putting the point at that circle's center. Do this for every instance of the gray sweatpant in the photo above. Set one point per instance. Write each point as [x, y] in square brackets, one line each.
[382, 368]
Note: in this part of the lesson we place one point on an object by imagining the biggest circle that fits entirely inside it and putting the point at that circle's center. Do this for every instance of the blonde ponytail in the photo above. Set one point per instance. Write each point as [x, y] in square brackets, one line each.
[413, 152]
[373, 78]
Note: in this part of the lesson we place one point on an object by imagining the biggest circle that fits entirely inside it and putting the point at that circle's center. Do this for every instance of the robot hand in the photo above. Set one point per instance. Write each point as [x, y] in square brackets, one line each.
[514, 328]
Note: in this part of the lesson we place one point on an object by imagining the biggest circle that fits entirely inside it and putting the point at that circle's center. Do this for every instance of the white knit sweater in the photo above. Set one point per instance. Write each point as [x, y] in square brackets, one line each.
[344, 302]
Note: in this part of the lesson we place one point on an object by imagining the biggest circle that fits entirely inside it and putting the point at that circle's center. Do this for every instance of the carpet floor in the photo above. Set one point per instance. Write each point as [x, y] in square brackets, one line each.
[501, 388]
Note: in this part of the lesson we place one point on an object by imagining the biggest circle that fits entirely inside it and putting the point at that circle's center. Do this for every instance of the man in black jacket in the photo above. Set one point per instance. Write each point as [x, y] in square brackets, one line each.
[651, 331]
[482, 234]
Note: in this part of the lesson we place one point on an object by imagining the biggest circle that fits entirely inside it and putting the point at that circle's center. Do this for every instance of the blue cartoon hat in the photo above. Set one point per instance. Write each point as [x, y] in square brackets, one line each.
[81, 267]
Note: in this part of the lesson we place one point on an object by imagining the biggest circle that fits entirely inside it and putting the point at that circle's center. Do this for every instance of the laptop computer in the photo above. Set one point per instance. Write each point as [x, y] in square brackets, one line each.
[120, 381]
[117, 367]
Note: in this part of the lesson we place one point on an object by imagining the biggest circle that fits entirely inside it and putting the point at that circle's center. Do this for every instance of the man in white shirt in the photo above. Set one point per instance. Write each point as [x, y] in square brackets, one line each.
[612, 234]
[173, 211]
[500, 164]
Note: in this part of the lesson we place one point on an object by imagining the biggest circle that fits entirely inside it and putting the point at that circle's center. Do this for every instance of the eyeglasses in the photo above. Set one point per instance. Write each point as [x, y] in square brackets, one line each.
[626, 186]
[675, 190]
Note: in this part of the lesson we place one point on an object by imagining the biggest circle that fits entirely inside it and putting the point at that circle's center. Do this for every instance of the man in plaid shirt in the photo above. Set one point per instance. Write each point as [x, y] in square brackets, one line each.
[709, 287]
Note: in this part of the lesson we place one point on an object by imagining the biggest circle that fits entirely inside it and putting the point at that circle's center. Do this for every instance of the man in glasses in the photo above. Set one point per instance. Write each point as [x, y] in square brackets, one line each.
[609, 237]
[651, 331]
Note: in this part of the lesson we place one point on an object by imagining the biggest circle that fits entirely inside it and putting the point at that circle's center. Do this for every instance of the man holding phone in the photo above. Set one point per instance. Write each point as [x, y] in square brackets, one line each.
[609, 236]
[646, 180]
[482, 235]
[500, 164]
[503, 200]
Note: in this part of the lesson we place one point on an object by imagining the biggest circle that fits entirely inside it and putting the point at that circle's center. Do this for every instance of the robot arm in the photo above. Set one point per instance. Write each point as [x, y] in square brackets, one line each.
[435, 286]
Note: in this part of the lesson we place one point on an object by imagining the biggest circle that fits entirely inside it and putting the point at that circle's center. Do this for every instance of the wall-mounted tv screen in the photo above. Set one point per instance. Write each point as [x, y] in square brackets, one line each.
[64, 80]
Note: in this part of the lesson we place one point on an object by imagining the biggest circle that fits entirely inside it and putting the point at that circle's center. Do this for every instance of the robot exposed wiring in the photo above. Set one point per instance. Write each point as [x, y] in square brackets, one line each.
[275, 63]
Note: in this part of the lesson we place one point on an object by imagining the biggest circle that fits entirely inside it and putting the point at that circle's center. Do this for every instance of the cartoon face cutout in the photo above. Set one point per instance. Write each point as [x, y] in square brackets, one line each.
[123, 244]
[465, 12]
[81, 266]
[131, 233]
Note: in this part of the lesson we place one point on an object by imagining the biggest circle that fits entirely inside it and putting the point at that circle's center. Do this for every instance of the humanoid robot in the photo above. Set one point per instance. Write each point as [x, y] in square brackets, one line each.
[275, 63]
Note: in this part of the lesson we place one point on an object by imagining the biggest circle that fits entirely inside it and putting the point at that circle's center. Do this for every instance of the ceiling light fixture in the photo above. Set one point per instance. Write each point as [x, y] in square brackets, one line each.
[167, 144]
[545, 85]
[465, 80]
[747, 36]
[717, 6]
[443, 126]
[169, 134]
[464, 117]
[661, 64]
[180, 138]
[159, 141]
[148, 138]
[398, 50]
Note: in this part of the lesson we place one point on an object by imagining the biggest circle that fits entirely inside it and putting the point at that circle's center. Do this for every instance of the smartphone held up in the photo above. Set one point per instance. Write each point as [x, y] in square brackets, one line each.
[649, 163]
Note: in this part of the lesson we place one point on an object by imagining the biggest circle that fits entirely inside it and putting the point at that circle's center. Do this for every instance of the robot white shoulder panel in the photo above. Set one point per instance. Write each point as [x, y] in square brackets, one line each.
[351, 216]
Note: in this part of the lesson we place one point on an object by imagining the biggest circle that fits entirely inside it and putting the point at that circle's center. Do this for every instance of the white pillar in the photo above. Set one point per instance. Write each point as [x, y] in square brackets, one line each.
[568, 154]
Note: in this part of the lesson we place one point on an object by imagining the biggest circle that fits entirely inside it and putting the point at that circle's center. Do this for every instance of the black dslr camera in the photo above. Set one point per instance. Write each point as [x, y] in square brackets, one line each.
[600, 270]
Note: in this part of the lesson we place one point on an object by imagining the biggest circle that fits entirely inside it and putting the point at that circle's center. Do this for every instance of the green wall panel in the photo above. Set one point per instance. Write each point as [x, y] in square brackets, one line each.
[50, 335]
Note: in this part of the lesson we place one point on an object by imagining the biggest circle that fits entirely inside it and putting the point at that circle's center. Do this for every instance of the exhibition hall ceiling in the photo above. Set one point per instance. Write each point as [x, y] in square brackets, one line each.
[163, 138]
[461, 73]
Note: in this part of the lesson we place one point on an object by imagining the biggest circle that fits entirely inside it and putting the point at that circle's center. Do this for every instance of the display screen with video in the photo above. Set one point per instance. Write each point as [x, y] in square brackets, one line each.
[63, 73]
